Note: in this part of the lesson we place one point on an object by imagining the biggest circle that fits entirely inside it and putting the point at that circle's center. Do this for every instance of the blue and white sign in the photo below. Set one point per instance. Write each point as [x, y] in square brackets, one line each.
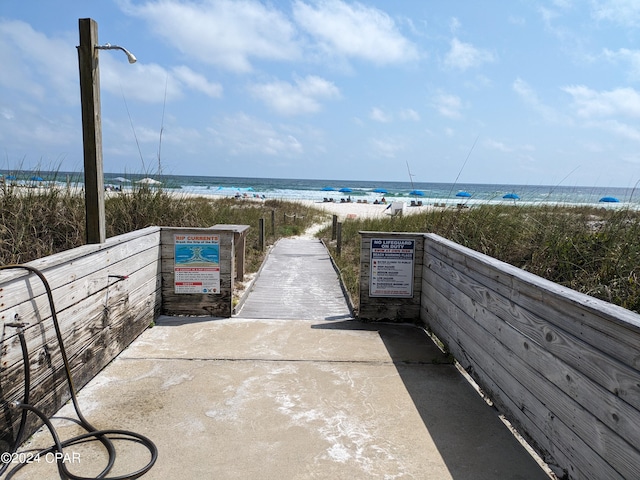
[197, 264]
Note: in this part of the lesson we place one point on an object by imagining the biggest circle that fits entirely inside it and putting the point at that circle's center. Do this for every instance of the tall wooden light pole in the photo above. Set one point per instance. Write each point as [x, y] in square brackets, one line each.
[92, 127]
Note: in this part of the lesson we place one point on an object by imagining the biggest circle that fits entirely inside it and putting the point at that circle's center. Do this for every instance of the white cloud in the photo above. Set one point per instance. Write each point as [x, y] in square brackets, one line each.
[35, 64]
[354, 30]
[448, 105]
[603, 110]
[623, 12]
[463, 56]
[242, 135]
[589, 103]
[197, 82]
[143, 82]
[28, 126]
[563, 4]
[7, 113]
[618, 128]
[454, 25]
[303, 96]
[630, 56]
[222, 32]
[530, 97]
[407, 114]
[379, 116]
[517, 20]
[410, 115]
[386, 148]
[152, 83]
[496, 145]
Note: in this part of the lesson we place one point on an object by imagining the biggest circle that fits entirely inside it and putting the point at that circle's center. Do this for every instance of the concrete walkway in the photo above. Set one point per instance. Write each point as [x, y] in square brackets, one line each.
[321, 397]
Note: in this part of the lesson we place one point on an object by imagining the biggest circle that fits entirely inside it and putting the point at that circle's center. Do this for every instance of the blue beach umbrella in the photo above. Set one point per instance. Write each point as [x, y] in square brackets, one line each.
[11, 177]
[380, 190]
[35, 178]
[419, 193]
[346, 190]
[463, 194]
[609, 200]
[328, 189]
[511, 196]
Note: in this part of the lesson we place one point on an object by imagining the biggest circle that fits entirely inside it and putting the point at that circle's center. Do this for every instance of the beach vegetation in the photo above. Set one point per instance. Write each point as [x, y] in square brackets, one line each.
[590, 249]
[37, 222]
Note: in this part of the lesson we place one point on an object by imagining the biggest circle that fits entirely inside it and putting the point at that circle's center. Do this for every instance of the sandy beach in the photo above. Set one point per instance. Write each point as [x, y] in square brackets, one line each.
[344, 210]
[354, 210]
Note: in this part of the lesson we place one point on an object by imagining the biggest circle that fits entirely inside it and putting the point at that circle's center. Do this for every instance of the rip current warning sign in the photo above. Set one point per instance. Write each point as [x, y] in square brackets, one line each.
[197, 264]
[391, 273]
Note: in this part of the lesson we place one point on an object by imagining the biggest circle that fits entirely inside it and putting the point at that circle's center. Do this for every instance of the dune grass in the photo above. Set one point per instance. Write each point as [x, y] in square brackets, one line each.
[592, 250]
[37, 222]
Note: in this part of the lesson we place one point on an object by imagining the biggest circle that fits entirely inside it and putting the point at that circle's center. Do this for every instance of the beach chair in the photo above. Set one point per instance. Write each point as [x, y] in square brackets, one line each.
[396, 208]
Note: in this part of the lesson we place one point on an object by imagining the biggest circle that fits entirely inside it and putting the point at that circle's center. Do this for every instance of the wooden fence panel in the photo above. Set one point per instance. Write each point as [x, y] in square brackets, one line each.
[99, 315]
[561, 365]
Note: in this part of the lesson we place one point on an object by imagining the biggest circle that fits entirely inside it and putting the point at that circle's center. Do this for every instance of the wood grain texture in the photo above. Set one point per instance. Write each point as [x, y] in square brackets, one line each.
[561, 365]
[99, 316]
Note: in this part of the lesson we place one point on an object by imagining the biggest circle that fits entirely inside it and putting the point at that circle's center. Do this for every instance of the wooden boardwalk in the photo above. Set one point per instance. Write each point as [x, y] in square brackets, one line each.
[262, 397]
[297, 281]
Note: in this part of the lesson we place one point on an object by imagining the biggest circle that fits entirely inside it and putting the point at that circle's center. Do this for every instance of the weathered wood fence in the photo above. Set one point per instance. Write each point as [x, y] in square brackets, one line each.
[105, 295]
[563, 367]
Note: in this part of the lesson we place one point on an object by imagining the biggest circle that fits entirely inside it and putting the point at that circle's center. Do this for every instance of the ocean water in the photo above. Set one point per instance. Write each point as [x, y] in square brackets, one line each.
[428, 193]
[317, 190]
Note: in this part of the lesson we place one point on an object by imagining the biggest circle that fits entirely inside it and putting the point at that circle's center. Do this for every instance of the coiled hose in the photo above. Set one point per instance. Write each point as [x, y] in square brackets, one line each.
[103, 436]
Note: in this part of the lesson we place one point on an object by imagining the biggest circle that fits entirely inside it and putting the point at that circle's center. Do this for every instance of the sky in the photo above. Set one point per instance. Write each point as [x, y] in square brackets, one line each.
[521, 92]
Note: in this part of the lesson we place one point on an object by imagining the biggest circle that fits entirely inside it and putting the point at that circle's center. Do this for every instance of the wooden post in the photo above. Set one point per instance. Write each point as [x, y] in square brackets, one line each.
[261, 234]
[334, 224]
[91, 131]
[273, 223]
[339, 239]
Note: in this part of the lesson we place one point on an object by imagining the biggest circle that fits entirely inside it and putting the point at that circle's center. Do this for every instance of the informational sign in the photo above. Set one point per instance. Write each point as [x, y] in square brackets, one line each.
[391, 272]
[197, 263]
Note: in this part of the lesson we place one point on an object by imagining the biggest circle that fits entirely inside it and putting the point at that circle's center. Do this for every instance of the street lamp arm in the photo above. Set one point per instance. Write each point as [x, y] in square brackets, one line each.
[107, 46]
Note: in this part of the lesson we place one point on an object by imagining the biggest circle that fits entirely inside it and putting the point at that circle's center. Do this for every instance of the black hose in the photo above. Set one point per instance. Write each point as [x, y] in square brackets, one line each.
[27, 388]
[92, 434]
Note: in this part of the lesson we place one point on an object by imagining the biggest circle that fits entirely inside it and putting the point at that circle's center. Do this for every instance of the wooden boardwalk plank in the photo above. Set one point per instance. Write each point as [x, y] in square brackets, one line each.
[297, 281]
